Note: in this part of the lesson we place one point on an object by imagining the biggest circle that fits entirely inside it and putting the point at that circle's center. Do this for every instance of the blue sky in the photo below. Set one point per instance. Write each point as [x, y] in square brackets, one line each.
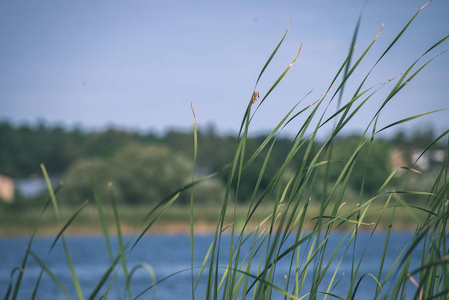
[139, 64]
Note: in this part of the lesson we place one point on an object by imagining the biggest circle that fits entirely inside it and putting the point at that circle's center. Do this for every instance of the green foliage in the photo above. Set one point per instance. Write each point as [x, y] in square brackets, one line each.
[56, 147]
[52, 146]
[373, 163]
[139, 174]
[65, 150]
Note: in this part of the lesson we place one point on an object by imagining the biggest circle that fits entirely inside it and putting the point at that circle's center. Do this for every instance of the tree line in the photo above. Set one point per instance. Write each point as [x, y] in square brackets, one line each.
[145, 167]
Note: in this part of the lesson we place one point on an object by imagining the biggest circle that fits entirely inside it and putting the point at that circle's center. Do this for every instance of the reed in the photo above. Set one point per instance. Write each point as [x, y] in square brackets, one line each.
[278, 225]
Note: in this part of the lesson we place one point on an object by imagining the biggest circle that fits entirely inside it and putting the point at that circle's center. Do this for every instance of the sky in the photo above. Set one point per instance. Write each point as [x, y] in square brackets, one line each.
[139, 65]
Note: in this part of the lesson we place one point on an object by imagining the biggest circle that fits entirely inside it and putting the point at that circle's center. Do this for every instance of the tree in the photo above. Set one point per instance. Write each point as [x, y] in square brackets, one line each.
[371, 168]
[139, 174]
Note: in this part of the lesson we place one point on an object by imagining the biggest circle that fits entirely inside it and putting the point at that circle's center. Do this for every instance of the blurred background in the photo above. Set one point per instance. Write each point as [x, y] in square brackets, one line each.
[109, 84]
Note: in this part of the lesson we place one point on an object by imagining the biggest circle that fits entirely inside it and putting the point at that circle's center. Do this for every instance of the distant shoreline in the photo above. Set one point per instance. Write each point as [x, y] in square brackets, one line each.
[175, 228]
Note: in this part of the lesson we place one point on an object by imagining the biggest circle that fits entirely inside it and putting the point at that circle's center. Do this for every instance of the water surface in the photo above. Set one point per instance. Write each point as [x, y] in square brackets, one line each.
[168, 255]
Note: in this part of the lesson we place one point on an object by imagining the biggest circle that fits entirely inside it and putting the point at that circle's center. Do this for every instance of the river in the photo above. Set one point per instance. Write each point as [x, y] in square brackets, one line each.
[166, 255]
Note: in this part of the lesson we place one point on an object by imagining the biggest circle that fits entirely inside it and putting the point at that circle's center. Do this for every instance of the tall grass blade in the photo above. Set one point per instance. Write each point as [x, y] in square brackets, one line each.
[346, 72]
[66, 250]
[50, 190]
[60, 233]
[164, 208]
[409, 119]
[51, 275]
[28, 248]
[400, 33]
[103, 279]
[160, 281]
[150, 271]
[280, 77]
[195, 151]
[121, 245]
[11, 279]
[101, 218]
[271, 56]
[66, 225]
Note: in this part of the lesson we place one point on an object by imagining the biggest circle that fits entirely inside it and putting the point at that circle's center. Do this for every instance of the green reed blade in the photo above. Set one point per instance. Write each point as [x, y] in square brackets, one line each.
[66, 250]
[167, 199]
[150, 271]
[400, 33]
[69, 222]
[50, 190]
[195, 151]
[103, 223]
[11, 277]
[346, 72]
[203, 265]
[104, 277]
[269, 284]
[72, 270]
[271, 56]
[409, 119]
[360, 281]
[432, 143]
[160, 281]
[106, 293]
[28, 248]
[60, 233]
[280, 77]
[160, 213]
[121, 245]
[50, 274]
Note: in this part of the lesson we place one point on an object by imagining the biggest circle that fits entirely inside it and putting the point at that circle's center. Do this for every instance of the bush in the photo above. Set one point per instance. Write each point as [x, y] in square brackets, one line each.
[139, 174]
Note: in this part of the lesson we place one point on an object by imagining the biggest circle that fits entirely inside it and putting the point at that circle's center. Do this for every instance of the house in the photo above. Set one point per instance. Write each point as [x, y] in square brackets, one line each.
[6, 189]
